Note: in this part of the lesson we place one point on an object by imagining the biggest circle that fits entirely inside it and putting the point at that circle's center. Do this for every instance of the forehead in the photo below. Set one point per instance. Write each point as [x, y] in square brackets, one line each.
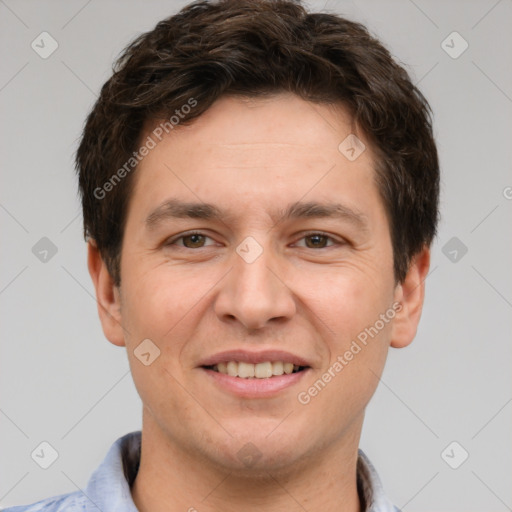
[258, 122]
[252, 147]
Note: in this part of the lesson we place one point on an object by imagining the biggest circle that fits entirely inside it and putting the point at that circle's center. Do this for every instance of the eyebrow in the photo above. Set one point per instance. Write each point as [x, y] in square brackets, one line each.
[177, 209]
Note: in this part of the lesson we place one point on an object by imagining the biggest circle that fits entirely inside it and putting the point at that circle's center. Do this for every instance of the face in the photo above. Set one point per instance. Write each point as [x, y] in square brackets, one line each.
[254, 246]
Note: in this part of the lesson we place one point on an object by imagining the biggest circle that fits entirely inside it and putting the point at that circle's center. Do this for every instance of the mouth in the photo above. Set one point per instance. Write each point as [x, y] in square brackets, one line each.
[246, 374]
[263, 370]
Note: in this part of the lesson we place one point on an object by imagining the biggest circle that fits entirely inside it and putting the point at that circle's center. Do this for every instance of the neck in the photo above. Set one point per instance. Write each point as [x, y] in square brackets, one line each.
[172, 479]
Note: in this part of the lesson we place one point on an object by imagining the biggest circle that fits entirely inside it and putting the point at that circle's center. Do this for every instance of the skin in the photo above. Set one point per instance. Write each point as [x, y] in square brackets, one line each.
[311, 299]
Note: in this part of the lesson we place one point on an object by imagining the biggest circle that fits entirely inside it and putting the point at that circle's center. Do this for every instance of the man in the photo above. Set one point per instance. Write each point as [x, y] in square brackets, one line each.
[260, 191]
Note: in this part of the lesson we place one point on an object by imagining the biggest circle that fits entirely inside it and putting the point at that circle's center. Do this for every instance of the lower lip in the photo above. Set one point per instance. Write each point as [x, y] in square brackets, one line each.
[254, 387]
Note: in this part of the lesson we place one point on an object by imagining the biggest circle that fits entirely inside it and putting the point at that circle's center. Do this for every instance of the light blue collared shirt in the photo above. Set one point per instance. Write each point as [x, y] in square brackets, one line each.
[108, 489]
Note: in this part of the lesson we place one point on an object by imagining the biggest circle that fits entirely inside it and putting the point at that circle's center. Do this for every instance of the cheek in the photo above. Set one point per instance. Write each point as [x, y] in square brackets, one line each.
[346, 300]
[357, 340]
[167, 305]
[156, 298]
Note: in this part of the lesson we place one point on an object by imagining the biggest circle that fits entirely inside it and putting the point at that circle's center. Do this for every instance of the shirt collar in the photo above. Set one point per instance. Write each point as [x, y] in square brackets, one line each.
[370, 487]
[109, 486]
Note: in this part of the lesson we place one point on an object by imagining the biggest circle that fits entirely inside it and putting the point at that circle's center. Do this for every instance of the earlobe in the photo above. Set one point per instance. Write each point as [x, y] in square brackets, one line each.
[107, 296]
[410, 293]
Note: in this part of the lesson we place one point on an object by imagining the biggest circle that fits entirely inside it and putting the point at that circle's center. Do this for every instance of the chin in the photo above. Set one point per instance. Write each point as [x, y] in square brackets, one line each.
[255, 453]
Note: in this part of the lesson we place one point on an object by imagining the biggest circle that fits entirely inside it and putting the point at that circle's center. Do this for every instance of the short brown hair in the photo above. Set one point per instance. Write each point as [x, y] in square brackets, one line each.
[253, 48]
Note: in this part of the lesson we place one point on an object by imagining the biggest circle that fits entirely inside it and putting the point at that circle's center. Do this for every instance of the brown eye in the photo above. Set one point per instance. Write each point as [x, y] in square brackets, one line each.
[190, 241]
[193, 241]
[316, 241]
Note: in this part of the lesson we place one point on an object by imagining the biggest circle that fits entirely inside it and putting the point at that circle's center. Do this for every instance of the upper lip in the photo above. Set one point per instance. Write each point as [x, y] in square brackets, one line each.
[254, 357]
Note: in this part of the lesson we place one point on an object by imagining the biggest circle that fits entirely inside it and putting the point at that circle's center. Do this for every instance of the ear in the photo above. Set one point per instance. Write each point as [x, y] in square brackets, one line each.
[107, 296]
[410, 293]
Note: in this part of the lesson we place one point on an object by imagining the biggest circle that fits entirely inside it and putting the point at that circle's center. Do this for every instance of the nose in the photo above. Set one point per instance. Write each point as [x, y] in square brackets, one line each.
[255, 293]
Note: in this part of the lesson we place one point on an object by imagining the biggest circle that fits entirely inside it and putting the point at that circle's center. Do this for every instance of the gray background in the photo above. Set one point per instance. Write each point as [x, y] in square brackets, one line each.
[63, 383]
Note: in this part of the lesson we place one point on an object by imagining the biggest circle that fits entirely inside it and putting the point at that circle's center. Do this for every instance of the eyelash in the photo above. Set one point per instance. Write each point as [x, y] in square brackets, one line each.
[305, 235]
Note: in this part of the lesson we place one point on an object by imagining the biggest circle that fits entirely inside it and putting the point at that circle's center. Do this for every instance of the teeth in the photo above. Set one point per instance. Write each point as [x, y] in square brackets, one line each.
[232, 369]
[288, 367]
[245, 370]
[259, 370]
[277, 368]
[262, 370]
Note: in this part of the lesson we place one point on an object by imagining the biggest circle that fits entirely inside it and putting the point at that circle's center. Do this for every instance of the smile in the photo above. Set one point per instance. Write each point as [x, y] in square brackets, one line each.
[264, 370]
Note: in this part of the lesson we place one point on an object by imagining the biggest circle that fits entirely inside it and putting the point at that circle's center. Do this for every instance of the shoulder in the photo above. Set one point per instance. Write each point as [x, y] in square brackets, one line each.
[71, 502]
